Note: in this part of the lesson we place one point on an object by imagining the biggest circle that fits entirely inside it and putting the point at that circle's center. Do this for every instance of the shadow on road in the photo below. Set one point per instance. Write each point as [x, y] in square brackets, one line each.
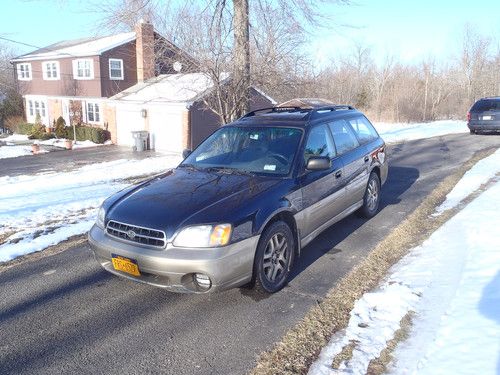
[399, 180]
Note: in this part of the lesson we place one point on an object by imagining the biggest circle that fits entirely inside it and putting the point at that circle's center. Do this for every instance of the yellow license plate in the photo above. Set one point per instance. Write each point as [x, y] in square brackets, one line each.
[125, 265]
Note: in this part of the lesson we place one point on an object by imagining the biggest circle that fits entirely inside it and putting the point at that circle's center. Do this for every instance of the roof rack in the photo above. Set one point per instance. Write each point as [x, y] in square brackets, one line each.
[275, 109]
[331, 108]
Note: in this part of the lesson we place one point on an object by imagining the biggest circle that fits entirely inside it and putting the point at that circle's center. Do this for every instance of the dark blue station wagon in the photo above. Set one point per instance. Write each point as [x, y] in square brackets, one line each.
[241, 207]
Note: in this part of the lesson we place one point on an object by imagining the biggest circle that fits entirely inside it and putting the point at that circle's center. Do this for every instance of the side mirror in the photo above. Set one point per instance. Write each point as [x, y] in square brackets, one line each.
[186, 153]
[318, 163]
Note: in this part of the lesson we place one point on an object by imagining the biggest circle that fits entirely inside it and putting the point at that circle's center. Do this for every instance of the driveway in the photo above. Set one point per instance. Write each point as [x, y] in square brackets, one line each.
[63, 314]
[66, 160]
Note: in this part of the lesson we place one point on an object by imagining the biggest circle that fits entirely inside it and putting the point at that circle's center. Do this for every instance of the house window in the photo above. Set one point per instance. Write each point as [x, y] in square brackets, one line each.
[83, 69]
[93, 112]
[50, 70]
[36, 108]
[115, 69]
[30, 105]
[24, 71]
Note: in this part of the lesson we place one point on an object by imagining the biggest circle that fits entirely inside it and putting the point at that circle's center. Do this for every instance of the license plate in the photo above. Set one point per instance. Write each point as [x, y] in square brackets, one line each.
[125, 265]
[486, 117]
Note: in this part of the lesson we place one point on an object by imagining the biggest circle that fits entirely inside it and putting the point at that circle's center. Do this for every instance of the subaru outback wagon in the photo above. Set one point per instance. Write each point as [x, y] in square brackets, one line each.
[241, 207]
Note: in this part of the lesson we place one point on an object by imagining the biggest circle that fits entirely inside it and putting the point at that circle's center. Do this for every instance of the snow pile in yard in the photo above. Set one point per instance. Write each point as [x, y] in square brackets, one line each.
[61, 142]
[16, 138]
[86, 144]
[14, 151]
[393, 133]
[482, 172]
[452, 283]
[42, 210]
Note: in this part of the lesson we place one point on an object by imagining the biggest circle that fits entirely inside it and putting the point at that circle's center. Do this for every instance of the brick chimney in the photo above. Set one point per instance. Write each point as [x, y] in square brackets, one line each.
[144, 49]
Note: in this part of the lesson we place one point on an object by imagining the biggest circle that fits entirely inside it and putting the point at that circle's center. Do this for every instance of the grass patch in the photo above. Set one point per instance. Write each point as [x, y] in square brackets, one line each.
[344, 355]
[301, 345]
[378, 366]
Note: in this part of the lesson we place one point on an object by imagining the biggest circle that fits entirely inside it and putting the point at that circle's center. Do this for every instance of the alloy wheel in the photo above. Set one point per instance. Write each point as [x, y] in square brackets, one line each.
[276, 257]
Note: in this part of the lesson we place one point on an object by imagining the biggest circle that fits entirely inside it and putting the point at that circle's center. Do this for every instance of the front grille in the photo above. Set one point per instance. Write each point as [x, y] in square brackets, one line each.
[133, 233]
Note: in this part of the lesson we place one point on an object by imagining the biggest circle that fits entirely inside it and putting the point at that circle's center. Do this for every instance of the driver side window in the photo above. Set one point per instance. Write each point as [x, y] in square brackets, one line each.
[319, 143]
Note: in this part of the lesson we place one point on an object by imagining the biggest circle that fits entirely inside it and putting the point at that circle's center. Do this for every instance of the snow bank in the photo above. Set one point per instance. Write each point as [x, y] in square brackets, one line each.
[16, 138]
[452, 282]
[481, 173]
[396, 132]
[36, 210]
[14, 151]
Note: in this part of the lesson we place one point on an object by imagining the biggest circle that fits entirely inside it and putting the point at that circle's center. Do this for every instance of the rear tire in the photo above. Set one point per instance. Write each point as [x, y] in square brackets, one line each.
[371, 199]
[274, 258]
[472, 132]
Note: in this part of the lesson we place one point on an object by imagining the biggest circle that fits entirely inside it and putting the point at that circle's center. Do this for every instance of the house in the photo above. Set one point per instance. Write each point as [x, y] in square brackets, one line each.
[72, 79]
[172, 109]
[124, 82]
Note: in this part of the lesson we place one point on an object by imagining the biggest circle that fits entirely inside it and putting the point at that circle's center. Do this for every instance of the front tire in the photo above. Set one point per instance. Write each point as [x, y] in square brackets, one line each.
[274, 258]
[371, 199]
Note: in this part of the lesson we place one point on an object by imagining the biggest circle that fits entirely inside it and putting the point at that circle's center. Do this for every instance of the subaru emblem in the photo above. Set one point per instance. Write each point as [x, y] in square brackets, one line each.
[131, 234]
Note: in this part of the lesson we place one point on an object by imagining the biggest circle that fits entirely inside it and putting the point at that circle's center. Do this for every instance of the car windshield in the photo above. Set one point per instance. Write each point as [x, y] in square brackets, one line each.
[260, 150]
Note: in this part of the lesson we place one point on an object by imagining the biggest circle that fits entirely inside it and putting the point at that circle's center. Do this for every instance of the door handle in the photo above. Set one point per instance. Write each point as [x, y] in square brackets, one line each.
[367, 158]
[338, 174]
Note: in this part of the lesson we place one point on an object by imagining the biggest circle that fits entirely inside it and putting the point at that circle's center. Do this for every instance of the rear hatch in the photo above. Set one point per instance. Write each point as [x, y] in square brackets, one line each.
[485, 110]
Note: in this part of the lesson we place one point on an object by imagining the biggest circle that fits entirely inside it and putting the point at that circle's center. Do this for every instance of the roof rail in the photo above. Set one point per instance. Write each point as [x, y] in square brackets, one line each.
[274, 109]
[331, 108]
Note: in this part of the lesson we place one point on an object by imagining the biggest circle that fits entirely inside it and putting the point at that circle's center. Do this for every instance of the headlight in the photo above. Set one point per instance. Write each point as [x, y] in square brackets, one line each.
[101, 214]
[204, 236]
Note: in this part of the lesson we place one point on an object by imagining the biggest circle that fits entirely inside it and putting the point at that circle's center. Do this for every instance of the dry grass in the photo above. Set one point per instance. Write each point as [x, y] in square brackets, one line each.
[344, 355]
[301, 345]
[378, 366]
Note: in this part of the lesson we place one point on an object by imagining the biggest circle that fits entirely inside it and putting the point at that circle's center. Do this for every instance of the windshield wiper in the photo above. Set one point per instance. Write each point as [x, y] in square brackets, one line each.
[190, 166]
[230, 170]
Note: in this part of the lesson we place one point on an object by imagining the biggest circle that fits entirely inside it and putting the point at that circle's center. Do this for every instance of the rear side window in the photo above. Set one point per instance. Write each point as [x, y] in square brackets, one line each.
[364, 130]
[486, 105]
[343, 136]
[319, 143]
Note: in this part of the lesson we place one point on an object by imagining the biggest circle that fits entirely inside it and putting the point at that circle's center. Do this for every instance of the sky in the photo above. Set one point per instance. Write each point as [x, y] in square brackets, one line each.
[410, 31]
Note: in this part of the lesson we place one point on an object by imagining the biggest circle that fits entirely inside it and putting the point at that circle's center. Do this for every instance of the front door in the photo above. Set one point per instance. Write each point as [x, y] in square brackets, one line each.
[65, 111]
[321, 190]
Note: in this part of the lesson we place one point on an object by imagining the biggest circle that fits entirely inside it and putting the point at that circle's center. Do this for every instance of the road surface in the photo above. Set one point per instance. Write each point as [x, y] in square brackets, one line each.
[63, 314]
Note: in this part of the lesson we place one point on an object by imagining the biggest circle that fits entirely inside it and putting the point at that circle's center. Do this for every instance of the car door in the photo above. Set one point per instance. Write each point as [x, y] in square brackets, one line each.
[320, 189]
[354, 160]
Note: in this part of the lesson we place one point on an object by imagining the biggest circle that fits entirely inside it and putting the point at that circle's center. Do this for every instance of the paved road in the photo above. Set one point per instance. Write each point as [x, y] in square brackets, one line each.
[65, 160]
[64, 315]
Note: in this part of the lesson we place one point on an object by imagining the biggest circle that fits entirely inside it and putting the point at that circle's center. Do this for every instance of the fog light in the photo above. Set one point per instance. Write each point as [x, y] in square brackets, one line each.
[203, 281]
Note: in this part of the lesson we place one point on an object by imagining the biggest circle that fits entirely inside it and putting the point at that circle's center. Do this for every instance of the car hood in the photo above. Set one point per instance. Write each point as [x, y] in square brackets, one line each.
[180, 196]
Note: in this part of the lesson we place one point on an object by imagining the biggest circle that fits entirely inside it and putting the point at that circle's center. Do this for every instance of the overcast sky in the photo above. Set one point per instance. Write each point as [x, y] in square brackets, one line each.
[407, 30]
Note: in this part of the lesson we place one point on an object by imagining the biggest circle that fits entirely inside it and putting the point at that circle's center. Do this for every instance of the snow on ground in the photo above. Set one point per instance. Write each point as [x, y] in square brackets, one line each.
[395, 132]
[16, 138]
[452, 283]
[37, 211]
[482, 172]
[11, 151]
[61, 142]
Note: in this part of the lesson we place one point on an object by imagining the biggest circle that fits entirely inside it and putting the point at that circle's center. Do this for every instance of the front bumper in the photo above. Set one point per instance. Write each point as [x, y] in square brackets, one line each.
[173, 268]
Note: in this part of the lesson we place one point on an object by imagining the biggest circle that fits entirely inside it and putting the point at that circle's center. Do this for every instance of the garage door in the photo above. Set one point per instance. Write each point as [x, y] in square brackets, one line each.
[165, 126]
[128, 119]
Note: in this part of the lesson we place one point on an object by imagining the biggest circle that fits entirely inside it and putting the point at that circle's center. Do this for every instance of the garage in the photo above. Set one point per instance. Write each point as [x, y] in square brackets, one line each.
[171, 108]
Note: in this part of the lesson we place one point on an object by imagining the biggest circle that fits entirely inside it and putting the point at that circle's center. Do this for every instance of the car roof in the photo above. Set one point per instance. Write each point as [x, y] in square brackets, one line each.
[294, 116]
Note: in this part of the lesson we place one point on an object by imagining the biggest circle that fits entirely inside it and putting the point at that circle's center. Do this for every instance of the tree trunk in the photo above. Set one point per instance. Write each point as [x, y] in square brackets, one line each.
[242, 54]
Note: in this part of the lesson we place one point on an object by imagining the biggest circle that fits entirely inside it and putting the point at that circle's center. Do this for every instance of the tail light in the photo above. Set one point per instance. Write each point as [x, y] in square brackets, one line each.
[468, 116]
